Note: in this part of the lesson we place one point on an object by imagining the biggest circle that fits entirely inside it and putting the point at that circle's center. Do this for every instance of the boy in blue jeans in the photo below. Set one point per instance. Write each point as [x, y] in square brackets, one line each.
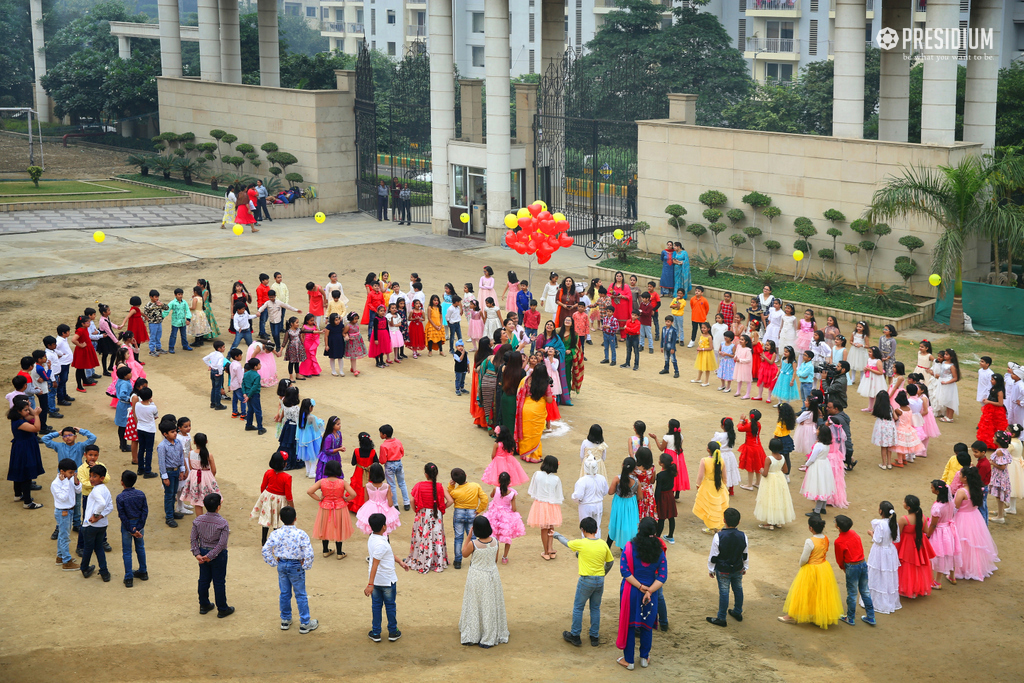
[251, 397]
[383, 581]
[132, 510]
[610, 333]
[595, 560]
[850, 558]
[288, 548]
[66, 490]
[461, 368]
[154, 313]
[669, 339]
[68, 447]
[728, 562]
[180, 315]
[171, 458]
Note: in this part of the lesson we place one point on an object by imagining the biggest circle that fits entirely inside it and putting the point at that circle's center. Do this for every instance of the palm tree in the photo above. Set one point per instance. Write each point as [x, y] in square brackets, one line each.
[961, 200]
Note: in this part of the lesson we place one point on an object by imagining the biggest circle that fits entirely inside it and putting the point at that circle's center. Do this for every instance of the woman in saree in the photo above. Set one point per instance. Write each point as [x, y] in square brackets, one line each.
[483, 352]
[573, 361]
[668, 269]
[488, 393]
[567, 298]
[681, 262]
[512, 374]
[550, 339]
[532, 413]
[622, 300]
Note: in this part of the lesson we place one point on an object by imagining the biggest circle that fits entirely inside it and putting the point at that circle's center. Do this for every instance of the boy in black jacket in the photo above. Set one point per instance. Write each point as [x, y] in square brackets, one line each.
[728, 562]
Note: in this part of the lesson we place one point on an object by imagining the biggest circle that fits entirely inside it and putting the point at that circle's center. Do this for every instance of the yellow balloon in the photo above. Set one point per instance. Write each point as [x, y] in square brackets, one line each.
[523, 213]
[99, 236]
[238, 229]
[543, 206]
[618, 234]
[320, 217]
[510, 221]
[464, 218]
[935, 279]
[798, 255]
[558, 216]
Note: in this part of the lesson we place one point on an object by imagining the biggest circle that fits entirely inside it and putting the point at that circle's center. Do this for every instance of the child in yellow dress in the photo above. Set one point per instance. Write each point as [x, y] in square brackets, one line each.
[814, 594]
[705, 362]
[712, 494]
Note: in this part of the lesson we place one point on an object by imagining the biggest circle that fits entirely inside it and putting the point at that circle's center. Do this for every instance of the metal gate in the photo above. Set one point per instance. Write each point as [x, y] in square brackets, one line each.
[586, 166]
[393, 134]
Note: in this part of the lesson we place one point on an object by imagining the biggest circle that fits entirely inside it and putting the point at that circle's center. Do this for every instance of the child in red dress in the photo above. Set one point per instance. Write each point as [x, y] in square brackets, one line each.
[751, 452]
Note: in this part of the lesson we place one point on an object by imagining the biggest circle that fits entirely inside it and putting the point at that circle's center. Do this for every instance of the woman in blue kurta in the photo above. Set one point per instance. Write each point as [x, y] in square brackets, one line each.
[682, 269]
[549, 339]
[668, 270]
[644, 569]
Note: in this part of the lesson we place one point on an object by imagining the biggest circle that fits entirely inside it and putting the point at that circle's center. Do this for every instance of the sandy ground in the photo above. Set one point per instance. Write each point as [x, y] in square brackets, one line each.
[61, 162]
[154, 631]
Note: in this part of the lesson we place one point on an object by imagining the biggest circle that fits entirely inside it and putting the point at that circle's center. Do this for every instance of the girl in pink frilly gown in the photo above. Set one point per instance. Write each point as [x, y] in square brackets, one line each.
[837, 459]
[979, 550]
[943, 536]
[506, 522]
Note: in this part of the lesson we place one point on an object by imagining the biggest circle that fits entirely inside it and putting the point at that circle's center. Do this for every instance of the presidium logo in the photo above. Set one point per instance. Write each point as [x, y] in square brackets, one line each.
[950, 40]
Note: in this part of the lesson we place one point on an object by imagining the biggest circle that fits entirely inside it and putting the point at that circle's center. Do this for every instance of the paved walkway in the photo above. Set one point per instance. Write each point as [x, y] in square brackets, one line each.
[70, 251]
[17, 222]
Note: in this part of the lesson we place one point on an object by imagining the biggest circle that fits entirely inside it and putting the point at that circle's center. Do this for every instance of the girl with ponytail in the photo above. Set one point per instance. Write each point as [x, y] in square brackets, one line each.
[884, 560]
[915, 552]
[942, 535]
[506, 522]
[672, 446]
[751, 452]
[428, 550]
[712, 494]
[625, 516]
[978, 548]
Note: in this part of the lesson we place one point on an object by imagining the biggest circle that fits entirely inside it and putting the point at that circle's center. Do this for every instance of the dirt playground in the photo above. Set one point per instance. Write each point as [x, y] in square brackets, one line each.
[59, 627]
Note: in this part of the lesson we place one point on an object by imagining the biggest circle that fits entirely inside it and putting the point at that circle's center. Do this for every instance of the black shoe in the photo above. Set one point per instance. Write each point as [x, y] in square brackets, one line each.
[78, 551]
[604, 362]
[128, 583]
[88, 571]
[663, 372]
[375, 637]
[105, 576]
[813, 513]
[664, 627]
[36, 487]
[203, 609]
[75, 529]
[150, 475]
[106, 374]
[405, 507]
[717, 622]
[226, 613]
[594, 641]
[177, 515]
[220, 406]
[56, 415]
[141, 576]
[624, 365]
[392, 637]
[107, 548]
[676, 375]
[571, 639]
[261, 431]
[250, 428]
[457, 564]
[69, 399]
[735, 615]
[589, 341]
[171, 523]
[63, 403]
[53, 536]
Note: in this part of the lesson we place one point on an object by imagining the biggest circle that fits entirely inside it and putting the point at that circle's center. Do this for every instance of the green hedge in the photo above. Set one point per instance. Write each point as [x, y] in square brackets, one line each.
[174, 183]
[787, 290]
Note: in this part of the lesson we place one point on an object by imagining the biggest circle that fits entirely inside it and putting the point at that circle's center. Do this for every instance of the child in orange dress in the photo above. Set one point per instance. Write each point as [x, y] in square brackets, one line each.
[332, 518]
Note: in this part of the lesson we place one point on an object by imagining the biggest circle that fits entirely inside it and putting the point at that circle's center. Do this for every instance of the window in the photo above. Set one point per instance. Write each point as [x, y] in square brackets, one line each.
[869, 34]
[478, 22]
[373, 24]
[359, 16]
[666, 22]
[814, 5]
[391, 48]
[391, 16]
[478, 55]
[743, 6]
[339, 14]
[962, 52]
[293, 8]
[373, 44]
[741, 34]
[812, 37]
[532, 55]
[325, 13]
[778, 72]
[531, 38]
[779, 36]
[311, 12]
[579, 27]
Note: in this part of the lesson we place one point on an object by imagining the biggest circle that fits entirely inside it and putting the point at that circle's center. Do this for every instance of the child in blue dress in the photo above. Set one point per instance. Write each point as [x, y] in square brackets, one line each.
[726, 352]
[308, 433]
[786, 386]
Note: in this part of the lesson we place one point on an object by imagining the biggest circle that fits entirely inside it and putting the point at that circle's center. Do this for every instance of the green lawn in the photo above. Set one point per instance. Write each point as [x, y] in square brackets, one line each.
[176, 183]
[73, 190]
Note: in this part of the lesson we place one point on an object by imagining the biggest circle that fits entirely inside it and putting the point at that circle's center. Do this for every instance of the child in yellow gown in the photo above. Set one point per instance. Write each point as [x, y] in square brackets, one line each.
[712, 494]
[814, 595]
[705, 363]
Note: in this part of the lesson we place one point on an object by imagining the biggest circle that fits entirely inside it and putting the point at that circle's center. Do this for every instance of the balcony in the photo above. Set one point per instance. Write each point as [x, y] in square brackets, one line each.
[355, 28]
[415, 4]
[773, 8]
[869, 10]
[333, 27]
[773, 48]
[417, 30]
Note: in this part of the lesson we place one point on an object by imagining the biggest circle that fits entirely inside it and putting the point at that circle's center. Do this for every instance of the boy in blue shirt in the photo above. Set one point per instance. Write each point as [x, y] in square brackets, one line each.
[669, 339]
[523, 298]
[805, 375]
[132, 509]
[66, 444]
[180, 315]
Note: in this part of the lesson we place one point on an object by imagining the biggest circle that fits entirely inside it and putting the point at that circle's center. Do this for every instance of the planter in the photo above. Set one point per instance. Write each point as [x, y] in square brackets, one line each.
[847, 319]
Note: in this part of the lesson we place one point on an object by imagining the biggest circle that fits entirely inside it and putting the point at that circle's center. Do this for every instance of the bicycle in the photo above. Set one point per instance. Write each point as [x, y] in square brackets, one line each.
[599, 247]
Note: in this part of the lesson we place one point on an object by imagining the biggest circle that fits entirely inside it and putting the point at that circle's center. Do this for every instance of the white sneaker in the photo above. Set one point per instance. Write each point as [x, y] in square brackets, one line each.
[341, 374]
[188, 510]
[690, 345]
[334, 373]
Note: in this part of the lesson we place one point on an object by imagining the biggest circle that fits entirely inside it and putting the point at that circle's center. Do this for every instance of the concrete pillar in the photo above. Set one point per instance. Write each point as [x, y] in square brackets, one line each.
[270, 59]
[42, 101]
[526, 111]
[682, 107]
[442, 109]
[124, 47]
[848, 84]
[230, 48]
[499, 137]
[982, 76]
[209, 40]
[471, 92]
[894, 80]
[170, 38]
[552, 33]
[938, 90]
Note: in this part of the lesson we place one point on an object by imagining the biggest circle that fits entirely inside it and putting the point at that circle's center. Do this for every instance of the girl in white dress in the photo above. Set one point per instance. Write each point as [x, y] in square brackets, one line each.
[787, 331]
[947, 395]
[858, 356]
[492, 317]
[773, 325]
[595, 447]
[884, 560]
[819, 482]
[873, 379]
[726, 438]
[548, 295]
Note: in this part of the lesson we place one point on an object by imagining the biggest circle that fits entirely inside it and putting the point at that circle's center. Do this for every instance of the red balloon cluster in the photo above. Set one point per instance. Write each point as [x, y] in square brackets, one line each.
[539, 234]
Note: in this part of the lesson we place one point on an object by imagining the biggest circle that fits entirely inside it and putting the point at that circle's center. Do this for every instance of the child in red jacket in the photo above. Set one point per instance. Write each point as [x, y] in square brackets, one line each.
[632, 332]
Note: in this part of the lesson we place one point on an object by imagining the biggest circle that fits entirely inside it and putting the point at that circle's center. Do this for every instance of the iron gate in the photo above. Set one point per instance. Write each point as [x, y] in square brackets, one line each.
[585, 165]
[393, 133]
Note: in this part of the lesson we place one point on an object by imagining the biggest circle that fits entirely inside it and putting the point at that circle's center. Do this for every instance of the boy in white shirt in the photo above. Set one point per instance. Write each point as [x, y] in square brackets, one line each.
[236, 371]
[65, 489]
[94, 523]
[241, 319]
[453, 318]
[275, 315]
[146, 413]
[215, 361]
[281, 288]
[984, 378]
[383, 580]
[65, 357]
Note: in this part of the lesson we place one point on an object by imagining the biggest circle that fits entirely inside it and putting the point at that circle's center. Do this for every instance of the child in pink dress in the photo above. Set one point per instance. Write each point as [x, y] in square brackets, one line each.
[942, 534]
[743, 368]
[311, 341]
[378, 499]
[506, 523]
[476, 322]
[503, 460]
[837, 459]
[805, 335]
[354, 347]
[908, 442]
